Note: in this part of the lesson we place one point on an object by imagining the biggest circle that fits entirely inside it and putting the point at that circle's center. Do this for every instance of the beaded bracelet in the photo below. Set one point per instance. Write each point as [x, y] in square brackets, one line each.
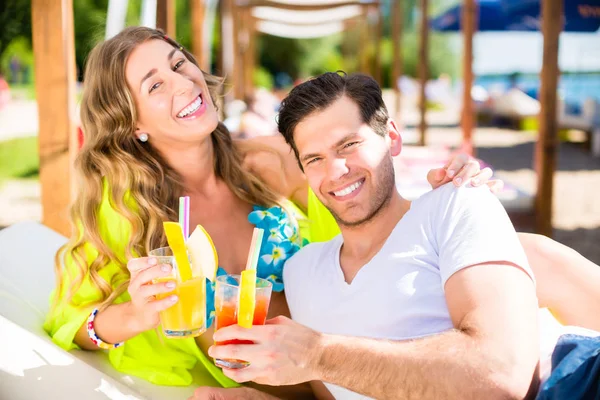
[94, 337]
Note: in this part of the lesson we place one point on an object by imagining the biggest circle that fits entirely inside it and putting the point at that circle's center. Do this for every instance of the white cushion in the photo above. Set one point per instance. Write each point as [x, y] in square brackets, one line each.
[31, 366]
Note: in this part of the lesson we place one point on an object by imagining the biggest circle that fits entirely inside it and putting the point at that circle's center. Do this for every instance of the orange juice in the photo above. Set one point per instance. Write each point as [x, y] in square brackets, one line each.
[186, 318]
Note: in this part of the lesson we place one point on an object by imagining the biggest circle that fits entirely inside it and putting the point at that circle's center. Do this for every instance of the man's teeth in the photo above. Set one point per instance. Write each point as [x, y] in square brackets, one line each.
[191, 108]
[348, 190]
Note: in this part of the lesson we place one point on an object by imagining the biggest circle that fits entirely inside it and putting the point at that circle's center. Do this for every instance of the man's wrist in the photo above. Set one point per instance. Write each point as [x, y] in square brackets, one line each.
[316, 356]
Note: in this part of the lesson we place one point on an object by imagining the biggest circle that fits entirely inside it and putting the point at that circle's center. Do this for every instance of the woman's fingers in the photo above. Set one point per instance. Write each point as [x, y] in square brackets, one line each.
[163, 304]
[469, 170]
[148, 275]
[496, 185]
[136, 265]
[482, 177]
[437, 177]
[456, 164]
[149, 291]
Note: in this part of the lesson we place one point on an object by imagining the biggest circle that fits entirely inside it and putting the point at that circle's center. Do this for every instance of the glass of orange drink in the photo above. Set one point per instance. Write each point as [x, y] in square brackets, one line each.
[187, 317]
[226, 310]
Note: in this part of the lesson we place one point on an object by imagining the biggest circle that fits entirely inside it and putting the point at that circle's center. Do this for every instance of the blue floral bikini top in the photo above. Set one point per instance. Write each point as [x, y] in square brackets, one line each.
[280, 241]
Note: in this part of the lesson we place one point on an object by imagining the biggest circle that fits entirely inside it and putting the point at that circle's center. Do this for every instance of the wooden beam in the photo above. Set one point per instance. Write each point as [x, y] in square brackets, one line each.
[165, 17]
[54, 55]
[396, 70]
[423, 69]
[468, 18]
[546, 147]
[198, 14]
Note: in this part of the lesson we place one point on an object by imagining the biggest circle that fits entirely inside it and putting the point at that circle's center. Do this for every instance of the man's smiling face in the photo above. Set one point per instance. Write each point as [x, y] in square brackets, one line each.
[347, 164]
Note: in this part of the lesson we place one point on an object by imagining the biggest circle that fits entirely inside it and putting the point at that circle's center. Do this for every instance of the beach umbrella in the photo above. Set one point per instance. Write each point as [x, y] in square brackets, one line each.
[579, 15]
[491, 17]
[520, 15]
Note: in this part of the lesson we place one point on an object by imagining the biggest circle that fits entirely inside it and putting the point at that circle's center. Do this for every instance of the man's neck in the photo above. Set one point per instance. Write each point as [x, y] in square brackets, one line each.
[362, 242]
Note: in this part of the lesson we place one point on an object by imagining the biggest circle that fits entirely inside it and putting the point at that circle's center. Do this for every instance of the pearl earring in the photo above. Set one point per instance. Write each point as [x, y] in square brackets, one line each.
[143, 137]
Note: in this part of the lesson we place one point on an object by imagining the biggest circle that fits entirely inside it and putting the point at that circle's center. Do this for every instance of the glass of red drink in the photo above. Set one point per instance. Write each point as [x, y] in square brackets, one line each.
[227, 296]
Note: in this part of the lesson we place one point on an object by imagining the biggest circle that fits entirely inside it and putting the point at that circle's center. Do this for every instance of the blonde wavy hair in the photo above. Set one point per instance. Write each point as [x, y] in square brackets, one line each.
[144, 189]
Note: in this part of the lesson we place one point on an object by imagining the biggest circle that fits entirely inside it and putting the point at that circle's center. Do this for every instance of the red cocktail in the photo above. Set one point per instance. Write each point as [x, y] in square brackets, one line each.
[226, 310]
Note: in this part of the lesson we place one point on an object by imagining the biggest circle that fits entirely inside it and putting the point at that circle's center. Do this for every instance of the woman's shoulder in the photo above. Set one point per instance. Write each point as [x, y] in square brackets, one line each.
[113, 227]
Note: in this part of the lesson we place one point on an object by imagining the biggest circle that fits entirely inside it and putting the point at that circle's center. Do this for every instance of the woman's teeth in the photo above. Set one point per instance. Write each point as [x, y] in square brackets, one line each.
[348, 190]
[192, 108]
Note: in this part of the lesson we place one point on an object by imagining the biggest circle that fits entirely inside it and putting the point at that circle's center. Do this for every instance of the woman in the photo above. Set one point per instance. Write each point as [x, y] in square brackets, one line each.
[152, 135]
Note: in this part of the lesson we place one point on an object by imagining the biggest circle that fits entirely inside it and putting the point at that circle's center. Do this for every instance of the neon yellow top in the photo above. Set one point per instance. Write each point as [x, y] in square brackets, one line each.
[321, 224]
[148, 355]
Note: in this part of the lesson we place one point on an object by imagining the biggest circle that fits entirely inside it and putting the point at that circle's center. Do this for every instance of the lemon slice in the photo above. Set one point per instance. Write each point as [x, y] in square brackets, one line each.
[203, 253]
[177, 243]
[247, 299]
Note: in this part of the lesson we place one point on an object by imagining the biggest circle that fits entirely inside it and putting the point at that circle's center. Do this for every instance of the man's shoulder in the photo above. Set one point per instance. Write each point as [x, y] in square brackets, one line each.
[448, 192]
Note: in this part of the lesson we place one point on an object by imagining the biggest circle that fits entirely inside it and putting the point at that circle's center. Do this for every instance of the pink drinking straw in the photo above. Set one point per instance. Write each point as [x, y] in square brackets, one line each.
[184, 215]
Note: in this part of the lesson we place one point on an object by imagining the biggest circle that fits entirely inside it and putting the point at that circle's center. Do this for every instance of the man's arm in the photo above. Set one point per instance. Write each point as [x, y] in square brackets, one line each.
[492, 352]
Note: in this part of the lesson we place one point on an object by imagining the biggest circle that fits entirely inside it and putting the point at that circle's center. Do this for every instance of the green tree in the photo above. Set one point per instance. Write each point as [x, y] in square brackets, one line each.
[15, 21]
[90, 26]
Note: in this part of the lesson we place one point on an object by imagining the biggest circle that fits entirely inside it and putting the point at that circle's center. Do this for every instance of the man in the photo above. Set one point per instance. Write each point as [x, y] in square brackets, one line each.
[433, 299]
[436, 297]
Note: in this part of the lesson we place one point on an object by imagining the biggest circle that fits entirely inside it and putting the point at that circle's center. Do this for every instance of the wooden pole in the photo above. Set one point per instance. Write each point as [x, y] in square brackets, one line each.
[423, 70]
[468, 18]
[397, 26]
[198, 13]
[165, 17]
[378, 38]
[249, 54]
[227, 48]
[219, 50]
[54, 54]
[546, 147]
[364, 42]
[239, 47]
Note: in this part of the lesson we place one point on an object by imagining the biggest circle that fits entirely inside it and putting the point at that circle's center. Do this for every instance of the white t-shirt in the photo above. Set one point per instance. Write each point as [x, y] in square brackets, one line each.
[399, 294]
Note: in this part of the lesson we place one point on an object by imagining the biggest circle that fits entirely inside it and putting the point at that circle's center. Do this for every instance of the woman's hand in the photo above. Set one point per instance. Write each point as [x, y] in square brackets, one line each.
[463, 169]
[142, 289]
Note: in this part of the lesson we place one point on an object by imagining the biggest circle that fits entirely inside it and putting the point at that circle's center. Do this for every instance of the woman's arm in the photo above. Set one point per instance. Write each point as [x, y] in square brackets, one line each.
[120, 322]
[567, 283]
[115, 324]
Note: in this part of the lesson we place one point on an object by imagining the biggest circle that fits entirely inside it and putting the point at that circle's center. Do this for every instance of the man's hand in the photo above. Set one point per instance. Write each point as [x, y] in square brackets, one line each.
[284, 352]
[462, 169]
[242, 393]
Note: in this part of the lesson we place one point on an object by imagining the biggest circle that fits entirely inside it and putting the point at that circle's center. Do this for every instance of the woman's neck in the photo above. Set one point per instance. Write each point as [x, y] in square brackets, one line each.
[195, 165]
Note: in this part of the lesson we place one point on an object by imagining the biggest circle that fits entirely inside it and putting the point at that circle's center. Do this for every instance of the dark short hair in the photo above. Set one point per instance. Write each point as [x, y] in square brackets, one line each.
[319, 93]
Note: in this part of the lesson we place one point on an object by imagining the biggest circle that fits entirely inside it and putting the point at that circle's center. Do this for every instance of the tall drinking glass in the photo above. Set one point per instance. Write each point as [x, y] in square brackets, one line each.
[226, 307]
[187, 317]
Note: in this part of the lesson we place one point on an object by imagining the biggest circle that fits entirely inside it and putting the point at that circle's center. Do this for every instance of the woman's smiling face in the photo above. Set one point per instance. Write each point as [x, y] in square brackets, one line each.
[171, 96]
